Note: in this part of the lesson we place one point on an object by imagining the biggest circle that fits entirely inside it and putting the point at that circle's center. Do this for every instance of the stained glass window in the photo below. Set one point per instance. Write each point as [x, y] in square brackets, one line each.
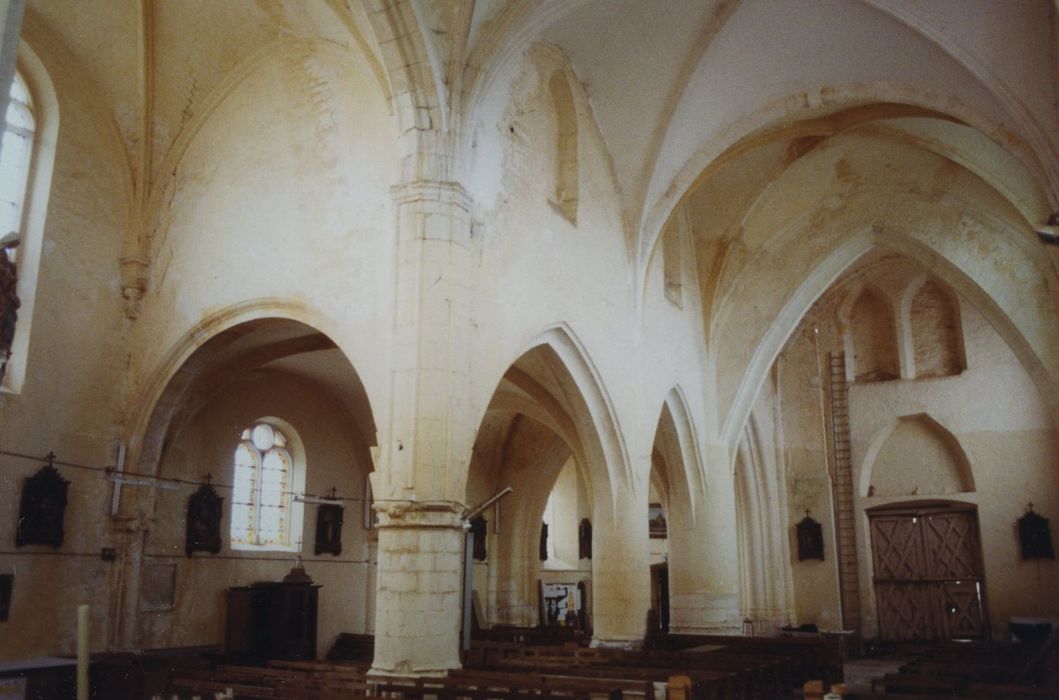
[15, 156]
[261, 488]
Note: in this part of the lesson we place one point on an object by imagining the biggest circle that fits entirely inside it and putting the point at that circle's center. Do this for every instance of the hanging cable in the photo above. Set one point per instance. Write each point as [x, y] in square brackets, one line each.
[150, 480]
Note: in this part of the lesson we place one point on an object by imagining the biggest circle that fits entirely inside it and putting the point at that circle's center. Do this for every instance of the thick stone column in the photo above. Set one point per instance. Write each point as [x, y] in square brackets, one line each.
[621, 572]
[420, 574]
[703, 568]
[422, 462]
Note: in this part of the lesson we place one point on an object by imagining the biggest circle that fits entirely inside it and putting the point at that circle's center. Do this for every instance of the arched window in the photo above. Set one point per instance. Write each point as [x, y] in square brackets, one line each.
[16, 156]
[264, 513]
[27, 160]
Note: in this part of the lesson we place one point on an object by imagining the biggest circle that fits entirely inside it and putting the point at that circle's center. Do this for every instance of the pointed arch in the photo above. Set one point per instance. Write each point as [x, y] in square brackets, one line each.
[828, 270]
[767, 588]
[946, 462]
[418, 90]
[849, 105]
[599, 435]
[549, 410]
[798, 304]
[679, 440]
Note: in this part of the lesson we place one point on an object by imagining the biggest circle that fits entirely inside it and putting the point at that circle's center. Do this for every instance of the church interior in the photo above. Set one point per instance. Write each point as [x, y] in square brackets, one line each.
[682, 346]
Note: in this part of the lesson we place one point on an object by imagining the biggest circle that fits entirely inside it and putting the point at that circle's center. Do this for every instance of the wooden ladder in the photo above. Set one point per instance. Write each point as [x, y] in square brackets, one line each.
[842, 484]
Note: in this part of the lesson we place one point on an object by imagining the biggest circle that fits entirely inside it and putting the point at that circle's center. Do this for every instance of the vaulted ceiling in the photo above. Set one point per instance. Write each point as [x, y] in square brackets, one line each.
[672, 84]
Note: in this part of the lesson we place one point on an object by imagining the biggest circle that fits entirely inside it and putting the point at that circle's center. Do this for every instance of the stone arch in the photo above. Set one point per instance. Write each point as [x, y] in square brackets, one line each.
[231, 342]
[779, 120]
[417, 87]
[549, 408]
[169, 387]
[600, 435]
[766, 584]
[916, 449]
[798, 303]
[677, 474]
[1037, 140]
[931, 312]
[830, 268]
[676, 438]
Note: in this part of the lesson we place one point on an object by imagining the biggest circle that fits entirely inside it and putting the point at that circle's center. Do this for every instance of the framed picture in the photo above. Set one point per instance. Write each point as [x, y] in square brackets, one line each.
[42, 508]
[810, 539]
[656, 521]
[369, 505]
[329, 529]
[480, 528]
[1035, 537]
[7, 584]
[205, 509]
[561, 604]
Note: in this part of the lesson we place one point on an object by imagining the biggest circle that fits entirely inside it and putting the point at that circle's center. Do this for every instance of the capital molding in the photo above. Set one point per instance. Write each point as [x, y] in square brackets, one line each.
[443, 191]
[419, 514]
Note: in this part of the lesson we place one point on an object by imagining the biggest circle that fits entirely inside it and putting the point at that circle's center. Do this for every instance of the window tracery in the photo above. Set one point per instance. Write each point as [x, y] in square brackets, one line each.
[262, 489]
[16, 155]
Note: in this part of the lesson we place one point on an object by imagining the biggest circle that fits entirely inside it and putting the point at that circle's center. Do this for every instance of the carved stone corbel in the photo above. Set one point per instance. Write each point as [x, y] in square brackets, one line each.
[133, 283]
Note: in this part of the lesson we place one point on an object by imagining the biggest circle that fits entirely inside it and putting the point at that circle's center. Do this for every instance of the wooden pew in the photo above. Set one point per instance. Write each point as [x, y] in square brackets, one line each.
[614, 688]
[920, 684]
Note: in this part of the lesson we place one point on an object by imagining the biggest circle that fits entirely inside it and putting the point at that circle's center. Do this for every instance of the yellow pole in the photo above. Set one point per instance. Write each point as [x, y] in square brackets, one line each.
[82, 652]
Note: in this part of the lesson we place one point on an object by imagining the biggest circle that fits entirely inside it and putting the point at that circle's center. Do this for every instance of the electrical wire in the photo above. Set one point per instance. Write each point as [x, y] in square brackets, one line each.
[111, 471]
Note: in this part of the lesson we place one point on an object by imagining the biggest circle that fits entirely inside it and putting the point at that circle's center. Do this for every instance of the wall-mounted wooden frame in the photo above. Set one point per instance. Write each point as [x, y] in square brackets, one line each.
[42, 508]
[329, 518]
[205, 510]
[369, 504]
[584, 539]
[1035, 537]
[7, 586]
[480, 530]
[810, 539]
[656, 522]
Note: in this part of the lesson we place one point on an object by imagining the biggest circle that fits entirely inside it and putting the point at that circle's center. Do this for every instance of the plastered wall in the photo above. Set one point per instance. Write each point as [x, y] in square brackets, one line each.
[70, 402]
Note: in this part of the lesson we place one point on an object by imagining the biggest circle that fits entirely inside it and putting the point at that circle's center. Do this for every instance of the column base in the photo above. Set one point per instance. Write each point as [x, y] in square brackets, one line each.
[623, 644]
[419, 584]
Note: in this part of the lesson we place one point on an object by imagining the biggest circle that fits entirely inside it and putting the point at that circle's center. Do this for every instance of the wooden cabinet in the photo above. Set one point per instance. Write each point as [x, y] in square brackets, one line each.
[273, 619]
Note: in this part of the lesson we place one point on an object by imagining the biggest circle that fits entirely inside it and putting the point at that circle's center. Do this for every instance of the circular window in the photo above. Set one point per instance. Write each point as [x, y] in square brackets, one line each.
[263, 436]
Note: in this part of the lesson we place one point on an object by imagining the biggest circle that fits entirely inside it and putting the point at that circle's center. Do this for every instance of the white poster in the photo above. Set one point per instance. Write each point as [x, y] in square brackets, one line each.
[559, 600]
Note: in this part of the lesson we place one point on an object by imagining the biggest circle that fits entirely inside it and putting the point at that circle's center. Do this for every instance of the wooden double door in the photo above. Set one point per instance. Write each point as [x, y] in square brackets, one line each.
[929, 583]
